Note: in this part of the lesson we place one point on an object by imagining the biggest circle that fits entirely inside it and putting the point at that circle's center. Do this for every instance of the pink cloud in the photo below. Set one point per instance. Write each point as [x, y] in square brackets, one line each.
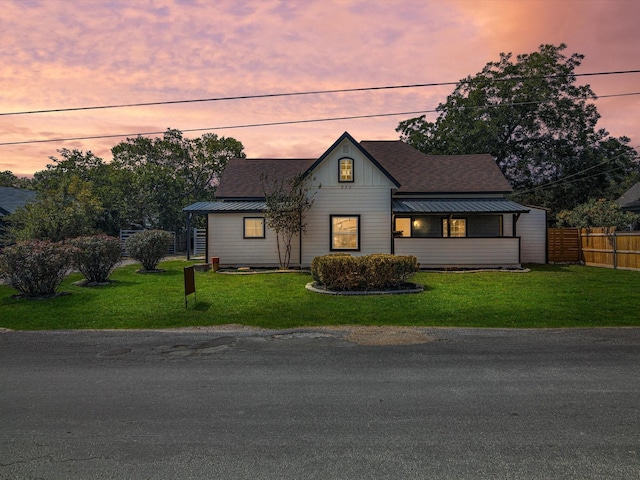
[58, 55]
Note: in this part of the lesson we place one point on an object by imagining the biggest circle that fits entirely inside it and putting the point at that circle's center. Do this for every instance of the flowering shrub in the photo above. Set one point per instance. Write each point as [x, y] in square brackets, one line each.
[36, 268]
[96, 256]
[369, 272]
[148, 247]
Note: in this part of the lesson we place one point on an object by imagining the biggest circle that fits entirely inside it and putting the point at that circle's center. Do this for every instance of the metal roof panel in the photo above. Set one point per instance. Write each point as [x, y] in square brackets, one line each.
[458, 205]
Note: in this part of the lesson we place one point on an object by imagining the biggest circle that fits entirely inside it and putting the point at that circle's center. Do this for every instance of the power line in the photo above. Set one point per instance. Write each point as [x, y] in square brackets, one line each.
[289, 122]
[249, 125]
[291, 94]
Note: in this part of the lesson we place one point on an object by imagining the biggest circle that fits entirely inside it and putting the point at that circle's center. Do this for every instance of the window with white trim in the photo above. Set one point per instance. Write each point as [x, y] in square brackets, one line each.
[346, 170]
[253, 227]
[345, 232]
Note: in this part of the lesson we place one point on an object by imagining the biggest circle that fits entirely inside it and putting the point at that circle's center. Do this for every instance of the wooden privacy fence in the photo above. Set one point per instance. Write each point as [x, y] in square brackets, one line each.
[563, 245]
[604, 247]
[600, 247]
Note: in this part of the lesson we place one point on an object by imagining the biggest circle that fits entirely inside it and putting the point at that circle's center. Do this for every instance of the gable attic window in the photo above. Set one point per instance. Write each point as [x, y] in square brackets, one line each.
[346, 170]
[345, 232]
[253, 227]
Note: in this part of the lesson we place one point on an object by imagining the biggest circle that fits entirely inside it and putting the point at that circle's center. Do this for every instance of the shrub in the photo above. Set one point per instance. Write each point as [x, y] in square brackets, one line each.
[96, 256]
[369, 272]
[148, 247]
[36, 268]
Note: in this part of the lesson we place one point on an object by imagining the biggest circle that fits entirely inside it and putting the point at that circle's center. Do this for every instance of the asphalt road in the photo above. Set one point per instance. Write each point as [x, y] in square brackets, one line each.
[467, 404]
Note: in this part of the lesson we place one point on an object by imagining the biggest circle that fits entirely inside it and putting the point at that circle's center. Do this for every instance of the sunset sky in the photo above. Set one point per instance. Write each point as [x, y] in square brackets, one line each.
[60, 54]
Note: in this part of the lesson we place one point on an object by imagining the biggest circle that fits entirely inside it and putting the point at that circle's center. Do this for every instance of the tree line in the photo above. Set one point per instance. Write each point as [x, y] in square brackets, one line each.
[145, 186]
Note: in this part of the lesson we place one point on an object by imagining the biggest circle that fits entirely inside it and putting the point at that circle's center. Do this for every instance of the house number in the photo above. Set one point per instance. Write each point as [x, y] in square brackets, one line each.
[346, 187]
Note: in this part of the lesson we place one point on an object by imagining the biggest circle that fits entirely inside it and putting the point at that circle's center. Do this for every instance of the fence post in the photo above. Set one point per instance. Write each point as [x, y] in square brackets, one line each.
[615, 250]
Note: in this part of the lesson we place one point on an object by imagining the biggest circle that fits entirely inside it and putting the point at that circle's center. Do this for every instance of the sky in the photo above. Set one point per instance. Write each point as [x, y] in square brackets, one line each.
[58, 54]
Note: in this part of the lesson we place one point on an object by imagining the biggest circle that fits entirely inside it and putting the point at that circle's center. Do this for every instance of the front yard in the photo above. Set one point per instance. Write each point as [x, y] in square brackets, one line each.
[548, 296]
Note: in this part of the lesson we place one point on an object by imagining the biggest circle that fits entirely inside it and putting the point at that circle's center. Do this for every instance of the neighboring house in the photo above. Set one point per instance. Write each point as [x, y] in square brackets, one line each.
[379, 197]
[630, 200]
[11, 199]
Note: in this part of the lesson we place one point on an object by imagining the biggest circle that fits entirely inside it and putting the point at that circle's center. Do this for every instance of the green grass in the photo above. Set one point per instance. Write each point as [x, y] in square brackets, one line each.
[548, 296]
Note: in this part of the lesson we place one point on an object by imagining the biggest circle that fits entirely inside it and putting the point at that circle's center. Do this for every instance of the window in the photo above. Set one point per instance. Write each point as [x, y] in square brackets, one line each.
[253, 227]
[403, 227]
[457, 227]
[346, 170]
[345, 232]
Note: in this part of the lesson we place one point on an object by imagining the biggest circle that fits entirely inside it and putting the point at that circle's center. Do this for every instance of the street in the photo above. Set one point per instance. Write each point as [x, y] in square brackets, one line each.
[319, 404]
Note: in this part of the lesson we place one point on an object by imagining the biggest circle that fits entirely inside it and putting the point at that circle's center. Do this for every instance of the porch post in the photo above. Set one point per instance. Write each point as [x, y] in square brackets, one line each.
[188, 235]
[516, 216]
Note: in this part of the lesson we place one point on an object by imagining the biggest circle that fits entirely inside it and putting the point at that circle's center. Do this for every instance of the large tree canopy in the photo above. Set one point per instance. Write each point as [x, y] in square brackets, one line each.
[168, 173]
[537, 123]
[147, 184]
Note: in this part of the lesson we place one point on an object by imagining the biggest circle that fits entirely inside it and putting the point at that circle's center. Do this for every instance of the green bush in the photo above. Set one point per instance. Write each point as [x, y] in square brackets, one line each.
[36, 268]
[370, 272]
[148, 247]
[96, 256]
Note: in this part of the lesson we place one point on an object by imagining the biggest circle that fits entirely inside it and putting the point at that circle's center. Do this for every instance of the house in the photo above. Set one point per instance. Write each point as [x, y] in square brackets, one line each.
[11, 199]
[630, 200]
[449, 211]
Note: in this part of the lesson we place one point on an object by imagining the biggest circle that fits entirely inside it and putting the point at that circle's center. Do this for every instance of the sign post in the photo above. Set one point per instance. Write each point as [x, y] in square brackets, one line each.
[189, 284]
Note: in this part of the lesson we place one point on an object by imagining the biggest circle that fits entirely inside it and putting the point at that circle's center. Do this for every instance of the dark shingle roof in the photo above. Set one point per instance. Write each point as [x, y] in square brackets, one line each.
[12, 198]
[242, 176]
[630, 200]
[420, 173]
[414, 171]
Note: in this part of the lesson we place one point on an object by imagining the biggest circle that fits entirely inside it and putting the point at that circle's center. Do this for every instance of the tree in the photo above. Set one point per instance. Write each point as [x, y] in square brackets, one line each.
[597, 213]
[167, 173]
[286, 204]
[539, 126]
[69, 212]
[105, 181]
[8, 179]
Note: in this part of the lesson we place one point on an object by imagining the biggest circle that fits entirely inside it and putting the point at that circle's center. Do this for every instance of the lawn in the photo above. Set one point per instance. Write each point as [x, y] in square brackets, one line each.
[548, 296]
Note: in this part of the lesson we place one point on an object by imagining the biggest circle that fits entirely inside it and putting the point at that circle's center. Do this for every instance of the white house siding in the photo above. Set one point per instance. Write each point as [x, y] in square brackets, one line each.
[507, 224]
[461, 252]
[532, 228]
[226, 242]
[368, 196]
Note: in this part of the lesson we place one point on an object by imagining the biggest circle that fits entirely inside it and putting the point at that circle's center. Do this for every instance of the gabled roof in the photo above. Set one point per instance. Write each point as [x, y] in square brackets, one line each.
[420, 173]
[12, 198]
[367, 154]
[410, 170]
[630, 200]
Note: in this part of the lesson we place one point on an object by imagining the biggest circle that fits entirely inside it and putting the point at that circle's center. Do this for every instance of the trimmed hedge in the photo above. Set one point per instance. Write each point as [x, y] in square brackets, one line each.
[36, 268]
[96, 256]
[342, 272]
[148, 247]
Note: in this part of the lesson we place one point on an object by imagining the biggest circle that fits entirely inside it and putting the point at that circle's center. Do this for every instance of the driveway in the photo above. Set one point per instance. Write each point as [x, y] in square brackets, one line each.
[235, 403]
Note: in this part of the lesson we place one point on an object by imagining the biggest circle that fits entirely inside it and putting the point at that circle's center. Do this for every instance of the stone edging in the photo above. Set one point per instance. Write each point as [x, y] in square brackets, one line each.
[312, 288]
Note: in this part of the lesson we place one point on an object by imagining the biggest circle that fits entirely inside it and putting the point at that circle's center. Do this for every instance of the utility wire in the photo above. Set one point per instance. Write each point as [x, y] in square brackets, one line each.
[311, 92]
[289, 122]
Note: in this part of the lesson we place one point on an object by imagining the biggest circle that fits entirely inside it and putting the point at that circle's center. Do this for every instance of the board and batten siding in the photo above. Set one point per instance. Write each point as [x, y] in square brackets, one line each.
[532, 229]
[461, 252]
[226, 242]
[369, 196]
